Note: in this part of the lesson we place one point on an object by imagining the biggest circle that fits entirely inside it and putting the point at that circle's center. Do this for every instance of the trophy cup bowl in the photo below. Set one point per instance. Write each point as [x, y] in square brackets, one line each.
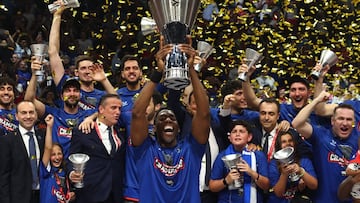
[67, 3]
[175, 20]
[148, 26]
[252, 58]
[205, 50]
[286, 157]
[230, 161]
[78, 161]
[40, 51]
[327, 57]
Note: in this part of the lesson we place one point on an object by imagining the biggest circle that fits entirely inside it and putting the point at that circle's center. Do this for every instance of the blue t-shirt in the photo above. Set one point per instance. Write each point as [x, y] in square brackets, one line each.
[231, 194]
[330, 154]
[274, 175]
[8, 122]
[127, 97]
[163, 182]
[88, 100]
[53, 185]
[63, 125]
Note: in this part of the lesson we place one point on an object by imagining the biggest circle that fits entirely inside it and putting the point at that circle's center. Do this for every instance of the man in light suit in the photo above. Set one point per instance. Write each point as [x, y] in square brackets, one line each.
[104, 172]
[18, 184]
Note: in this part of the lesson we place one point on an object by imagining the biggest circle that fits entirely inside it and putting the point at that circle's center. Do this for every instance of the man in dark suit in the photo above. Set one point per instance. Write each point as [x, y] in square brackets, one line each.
[20, 153]
[104, 172]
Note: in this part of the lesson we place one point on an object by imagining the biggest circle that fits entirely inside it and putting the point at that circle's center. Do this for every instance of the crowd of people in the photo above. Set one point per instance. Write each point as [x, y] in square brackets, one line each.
[150, 143]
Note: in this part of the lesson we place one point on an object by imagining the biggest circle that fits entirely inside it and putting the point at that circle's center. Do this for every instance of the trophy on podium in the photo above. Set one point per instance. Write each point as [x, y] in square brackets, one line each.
[230, 161]
[40, 51]
[252, 58]
[286, 157]
[175, 19]
[67, 3]
[327, 57]
[78, 161]
[205, 50]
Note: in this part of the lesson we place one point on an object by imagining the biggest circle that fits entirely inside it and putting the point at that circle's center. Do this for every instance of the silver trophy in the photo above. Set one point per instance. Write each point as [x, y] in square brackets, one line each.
[175, 19]
[148, 26]
[230, 161]
[252, 58]
[78, 161]
[40, 51]
[286, 157]
[67, 3]
[205, 50]
[327, 57]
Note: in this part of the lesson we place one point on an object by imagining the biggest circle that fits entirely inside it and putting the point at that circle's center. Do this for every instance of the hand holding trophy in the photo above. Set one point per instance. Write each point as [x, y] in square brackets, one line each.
[252, 58]
[40, 51]
[67, 3]
[79, 162]
[327, 57]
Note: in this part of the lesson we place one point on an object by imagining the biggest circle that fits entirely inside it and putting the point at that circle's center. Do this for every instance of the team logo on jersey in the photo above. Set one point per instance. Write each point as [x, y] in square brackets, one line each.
[72, 122]
[85, 106]
[334, 158]
[167, 170]
[8, 125]
[64, 132]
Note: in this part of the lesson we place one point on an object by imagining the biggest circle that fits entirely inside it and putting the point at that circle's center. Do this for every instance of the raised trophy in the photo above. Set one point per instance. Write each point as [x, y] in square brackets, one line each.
[40, 51]
[205, 50]
[286, 157]
[147, 25]
[252, 58]
[67, 3]
[175, 20]
[78, 161]
[327, 57]
[230, 161]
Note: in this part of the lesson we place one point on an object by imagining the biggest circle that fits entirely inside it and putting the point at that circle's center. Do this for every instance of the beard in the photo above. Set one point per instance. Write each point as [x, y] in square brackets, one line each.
[132, 83]
[7, 104]
[71, 105]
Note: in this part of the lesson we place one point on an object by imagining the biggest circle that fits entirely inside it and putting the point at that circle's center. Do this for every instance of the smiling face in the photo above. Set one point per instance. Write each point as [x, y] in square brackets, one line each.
[299, 94]
[343, 122]
[166, 128]
[84, 71]
[286, 140]
[26, 114]
[57, 156]
[71, 96]
[6, 96]
[131, 72]
[269, 115]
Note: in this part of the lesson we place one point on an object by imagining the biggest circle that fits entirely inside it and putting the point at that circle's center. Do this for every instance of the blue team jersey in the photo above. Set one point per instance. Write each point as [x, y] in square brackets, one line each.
[88, 100]
[288, 112]
[127, 97]
[291, 189]
[53, 185]
[331, 155]
[256, 160]
[163, 182]
[63, 125]
[8, 122]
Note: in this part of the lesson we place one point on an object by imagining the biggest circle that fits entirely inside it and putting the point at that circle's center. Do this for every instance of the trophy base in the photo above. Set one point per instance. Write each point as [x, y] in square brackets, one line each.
[79, 185]
[176, 83]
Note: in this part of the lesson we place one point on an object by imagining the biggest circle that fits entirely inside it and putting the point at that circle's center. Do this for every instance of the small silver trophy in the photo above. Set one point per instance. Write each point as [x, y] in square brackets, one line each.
[286, 157]
[327, 57]
[205, 50]
[147, 25]
[252, 58]
[175, 18]
[67, 3]
[40, 51]
[230, 161]
[78, 161]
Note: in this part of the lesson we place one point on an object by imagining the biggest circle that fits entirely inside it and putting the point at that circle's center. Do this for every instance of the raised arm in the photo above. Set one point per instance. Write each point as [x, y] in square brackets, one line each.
[139, 122]
[98, 74]
[300, 121]
[30, 93]
[251, 99]
[48, 140]
[201, 118]
[57, 67]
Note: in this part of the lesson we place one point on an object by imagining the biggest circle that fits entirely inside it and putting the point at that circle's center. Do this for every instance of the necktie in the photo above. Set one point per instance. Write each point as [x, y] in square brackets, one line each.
[266, 143]
[208, 163]
[112, 142]
[33, 160]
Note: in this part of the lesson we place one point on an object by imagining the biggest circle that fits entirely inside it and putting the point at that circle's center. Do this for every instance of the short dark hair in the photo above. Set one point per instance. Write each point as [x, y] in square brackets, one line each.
[129, 58]
[107, 96]
[242, 123]
[230, 87]
[271, 100]
[7, 81]
[82, 58]
[343, 106]
[299, 79]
